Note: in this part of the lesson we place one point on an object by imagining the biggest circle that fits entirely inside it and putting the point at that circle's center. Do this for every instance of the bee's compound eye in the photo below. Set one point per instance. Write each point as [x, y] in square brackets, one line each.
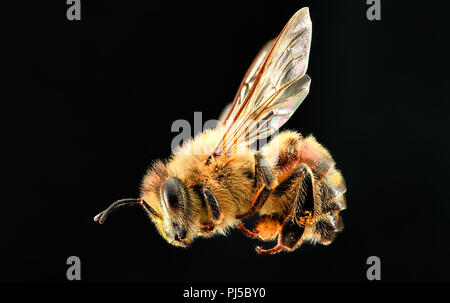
[172, 194]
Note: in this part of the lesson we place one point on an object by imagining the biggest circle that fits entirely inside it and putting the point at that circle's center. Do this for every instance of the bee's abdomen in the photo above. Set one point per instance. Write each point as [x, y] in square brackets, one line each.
[330, 200]
[329, 185]
[329, 190]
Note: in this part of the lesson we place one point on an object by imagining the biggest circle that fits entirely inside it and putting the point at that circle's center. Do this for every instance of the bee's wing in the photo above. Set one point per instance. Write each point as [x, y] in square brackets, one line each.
[273, 88]
[246, 84]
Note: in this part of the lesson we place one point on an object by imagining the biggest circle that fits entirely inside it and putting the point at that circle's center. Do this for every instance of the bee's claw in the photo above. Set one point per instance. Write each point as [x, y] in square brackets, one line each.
[270, 251]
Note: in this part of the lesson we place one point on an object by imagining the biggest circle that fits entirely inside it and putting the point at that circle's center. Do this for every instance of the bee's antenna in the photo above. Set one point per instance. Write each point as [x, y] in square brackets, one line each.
[101, 217]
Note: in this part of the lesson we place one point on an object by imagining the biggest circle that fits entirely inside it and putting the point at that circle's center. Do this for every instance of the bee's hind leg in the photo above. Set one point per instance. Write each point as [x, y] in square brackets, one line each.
[266, 228]
[265, 181]
[293, 227]
[289, 238]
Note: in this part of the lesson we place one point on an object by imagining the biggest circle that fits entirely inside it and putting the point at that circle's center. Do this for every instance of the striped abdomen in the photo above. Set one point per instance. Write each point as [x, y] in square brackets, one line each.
[329, 190]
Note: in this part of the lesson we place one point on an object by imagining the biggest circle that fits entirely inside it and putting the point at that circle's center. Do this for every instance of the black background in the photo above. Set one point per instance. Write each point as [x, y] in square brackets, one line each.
[88, 105]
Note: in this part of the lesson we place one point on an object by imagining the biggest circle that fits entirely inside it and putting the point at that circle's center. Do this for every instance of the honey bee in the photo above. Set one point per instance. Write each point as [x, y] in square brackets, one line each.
[216, 179]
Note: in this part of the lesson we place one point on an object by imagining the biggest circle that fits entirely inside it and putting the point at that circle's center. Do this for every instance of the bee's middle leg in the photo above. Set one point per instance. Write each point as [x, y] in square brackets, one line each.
[265, 181]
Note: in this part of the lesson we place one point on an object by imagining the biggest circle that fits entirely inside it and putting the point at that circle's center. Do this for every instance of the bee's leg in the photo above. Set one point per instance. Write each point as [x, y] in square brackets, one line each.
[251, 234]
[274, 250]
[266, 229]
[265, 181]
[215, 215]
[214, 212]
[292, 229]
[288, 239]
[304, 202]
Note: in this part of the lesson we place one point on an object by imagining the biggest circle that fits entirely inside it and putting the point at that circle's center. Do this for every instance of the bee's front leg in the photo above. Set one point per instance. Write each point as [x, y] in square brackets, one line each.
[265, 181]
[214, 212]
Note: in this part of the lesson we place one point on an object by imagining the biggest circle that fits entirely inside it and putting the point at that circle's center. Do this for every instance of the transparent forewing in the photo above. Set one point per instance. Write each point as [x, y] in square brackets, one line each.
[274, 90]
[277, 114]
[247, 82]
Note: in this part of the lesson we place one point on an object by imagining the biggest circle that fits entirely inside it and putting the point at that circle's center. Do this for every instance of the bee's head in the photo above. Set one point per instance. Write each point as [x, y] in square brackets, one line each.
[172, 206]
[170, 211]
